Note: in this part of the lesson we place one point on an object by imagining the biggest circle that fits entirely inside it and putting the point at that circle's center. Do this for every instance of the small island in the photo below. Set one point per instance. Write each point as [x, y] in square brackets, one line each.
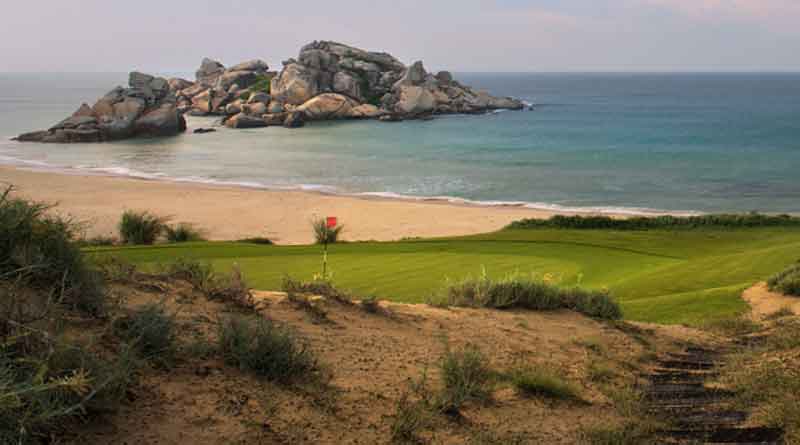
[327, 81]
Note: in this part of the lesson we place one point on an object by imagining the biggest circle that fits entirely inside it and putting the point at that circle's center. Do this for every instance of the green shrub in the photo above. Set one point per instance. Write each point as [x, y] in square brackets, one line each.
[658, 222]
[38, 252]
[540, 382]
[150, 329]
[786, 282]
[528, 293]
[324, 234]
[260, 346]
[98, 241]
[466, 376]
[141, 227]
[317, 287]
[183, 233]
[263, 84]
[410, 417]
[231, 289]
[257, 240]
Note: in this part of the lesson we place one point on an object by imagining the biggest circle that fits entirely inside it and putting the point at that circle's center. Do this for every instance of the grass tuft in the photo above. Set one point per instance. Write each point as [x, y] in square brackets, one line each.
[324, 234]
[465, 376]
[141, 228]
[540, 382]
[150, 330]
[260, 346]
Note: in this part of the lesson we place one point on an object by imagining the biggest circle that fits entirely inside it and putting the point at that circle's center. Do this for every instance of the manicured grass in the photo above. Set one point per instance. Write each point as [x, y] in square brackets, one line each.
[682, 276]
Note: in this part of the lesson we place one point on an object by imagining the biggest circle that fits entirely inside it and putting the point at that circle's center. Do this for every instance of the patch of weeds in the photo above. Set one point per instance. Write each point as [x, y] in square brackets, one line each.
[151, 330]
[638, 334]
[629, 433]
[372, 305]
[231, 289]
[786, 282]
[600, 372]
[543, 382]
[317, 287]
[733, 326]
[495, 438]
[260, 346]
[466, 376]
[304, 303]
[414, 412]
[98, 241]
[183, 233]
[141, 228]
[116, 269]
[592, 344]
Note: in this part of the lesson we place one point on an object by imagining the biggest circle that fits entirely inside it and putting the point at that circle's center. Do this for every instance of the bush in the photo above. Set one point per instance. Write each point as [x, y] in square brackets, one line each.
[231, 289]
[543, 383]
[317, 287]
[786, 282]
[466, 376]
[257, 240]
[324, 234]
[38, 253]
[150, 329]
[141, 227]
[528, 293]
[48, 386]
[183, 233]
[658, 222]
[259, 346]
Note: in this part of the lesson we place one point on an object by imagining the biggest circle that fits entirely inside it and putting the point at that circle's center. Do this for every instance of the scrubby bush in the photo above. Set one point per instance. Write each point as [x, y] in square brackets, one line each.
[38, 252]
[227, 289]
[183, 233]
[260, 346]
[150, 329]
[317, 287]
[527, 293]
[658, 222]
[141, 227]
[786, 282]
[324, 234]
[465, 375]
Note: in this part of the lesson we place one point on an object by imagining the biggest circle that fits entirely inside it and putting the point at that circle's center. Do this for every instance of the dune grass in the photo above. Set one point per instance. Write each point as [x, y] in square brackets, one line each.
[664, 276]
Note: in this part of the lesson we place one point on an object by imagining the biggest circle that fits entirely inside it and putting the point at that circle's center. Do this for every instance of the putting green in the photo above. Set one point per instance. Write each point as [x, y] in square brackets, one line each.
[682, 276]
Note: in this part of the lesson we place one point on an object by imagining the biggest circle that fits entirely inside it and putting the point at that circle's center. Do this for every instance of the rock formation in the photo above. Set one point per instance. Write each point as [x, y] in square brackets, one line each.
[327, 81]
[146, 108]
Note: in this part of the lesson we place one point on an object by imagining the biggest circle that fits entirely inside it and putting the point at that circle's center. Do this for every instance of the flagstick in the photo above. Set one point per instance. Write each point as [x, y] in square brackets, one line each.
[325, 260]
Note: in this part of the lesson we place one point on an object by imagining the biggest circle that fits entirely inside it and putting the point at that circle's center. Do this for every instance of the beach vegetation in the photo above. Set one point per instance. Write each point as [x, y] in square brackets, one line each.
[542, 382]
[183, 233]
[787, 281]
[231, 288]
[519, 292]
[258, 345]
[466, 377]
[257, 240]
[746, 220]
[150, 330]
[141, 228]
[324, 234]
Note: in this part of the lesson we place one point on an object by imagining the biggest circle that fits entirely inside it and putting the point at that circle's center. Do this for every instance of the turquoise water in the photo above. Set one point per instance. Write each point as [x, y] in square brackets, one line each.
[679, 142]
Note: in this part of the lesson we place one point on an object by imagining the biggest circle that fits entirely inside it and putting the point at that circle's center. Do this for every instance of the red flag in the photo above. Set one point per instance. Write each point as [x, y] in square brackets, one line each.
[332, 222]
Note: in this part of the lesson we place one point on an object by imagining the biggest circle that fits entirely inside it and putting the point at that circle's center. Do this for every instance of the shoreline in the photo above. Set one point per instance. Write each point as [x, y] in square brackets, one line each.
[228, 212]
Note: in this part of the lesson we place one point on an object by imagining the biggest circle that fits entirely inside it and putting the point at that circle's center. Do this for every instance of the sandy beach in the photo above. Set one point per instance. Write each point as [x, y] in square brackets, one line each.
[230, 213]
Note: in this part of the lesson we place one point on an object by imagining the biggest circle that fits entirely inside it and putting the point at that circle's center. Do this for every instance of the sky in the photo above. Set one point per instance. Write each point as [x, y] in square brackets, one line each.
[459, 35]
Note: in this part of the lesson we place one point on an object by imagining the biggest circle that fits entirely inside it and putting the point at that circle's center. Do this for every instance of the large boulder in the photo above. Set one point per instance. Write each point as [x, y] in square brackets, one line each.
[242, 79]
[415, 101]
[257, 66]
[178, 84]
[146, 108]
[296, 84]
[243, 120]
[327, 106]
[414, 75]
[209, 72]
[366, 111]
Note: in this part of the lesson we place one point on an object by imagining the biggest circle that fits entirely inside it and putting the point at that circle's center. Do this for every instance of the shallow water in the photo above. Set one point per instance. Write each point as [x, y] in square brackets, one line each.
[701, 142]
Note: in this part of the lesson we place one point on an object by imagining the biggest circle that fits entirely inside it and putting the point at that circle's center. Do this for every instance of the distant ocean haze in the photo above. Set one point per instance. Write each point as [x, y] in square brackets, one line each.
[614, 142]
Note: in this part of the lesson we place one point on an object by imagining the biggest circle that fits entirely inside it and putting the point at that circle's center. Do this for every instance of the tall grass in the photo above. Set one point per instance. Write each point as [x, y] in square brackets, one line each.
[527, 293]
[151, 330]
[466, 376]
[183, 233]
[260, 346]
[38, 251]
[658, 222]
[139, 228]
[324, 234]
[786, 282]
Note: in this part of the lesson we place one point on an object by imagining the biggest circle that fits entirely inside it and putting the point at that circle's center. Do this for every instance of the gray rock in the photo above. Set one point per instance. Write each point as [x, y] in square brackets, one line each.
[258, 66]
[444, 77]
[259, 97]
[178, 84]
[327, 106]
[413, 76]
[162, 121]
[294, 119]
[241, 78]
[275, 107]
[209, 72]
[275, 119]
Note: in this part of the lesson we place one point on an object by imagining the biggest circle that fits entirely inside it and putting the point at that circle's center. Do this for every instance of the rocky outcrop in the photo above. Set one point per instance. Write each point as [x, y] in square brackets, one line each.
[147, 108]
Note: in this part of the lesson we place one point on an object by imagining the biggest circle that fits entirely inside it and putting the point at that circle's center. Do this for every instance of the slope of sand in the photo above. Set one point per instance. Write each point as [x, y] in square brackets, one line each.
[765, 303]
[229, 213]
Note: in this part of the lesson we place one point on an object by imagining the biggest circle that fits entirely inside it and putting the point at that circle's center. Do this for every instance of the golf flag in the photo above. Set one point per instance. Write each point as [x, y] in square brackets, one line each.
[332, 222]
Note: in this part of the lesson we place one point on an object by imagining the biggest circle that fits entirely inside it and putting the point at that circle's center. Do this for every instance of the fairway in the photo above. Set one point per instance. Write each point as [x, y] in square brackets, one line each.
[681, 276]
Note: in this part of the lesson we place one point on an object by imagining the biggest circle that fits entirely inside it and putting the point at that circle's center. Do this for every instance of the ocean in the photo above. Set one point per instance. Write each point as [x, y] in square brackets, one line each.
[610, 142]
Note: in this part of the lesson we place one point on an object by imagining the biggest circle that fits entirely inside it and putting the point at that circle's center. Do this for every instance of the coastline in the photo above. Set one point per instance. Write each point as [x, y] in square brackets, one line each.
[228, 212]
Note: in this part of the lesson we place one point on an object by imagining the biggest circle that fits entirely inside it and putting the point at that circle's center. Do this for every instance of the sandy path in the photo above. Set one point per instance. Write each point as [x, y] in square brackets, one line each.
[227, 213]
[764, 303]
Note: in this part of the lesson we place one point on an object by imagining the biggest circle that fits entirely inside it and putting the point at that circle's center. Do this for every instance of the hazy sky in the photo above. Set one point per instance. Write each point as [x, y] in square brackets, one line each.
[461, 35]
